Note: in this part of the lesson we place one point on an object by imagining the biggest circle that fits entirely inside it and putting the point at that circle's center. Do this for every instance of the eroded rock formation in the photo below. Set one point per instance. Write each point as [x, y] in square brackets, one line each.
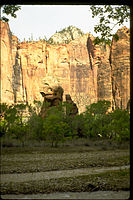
[72, 110]
[52, 93]
[88, 73]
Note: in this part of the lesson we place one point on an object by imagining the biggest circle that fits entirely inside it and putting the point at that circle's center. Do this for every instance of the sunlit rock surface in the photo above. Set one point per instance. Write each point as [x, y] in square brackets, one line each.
[86, 72]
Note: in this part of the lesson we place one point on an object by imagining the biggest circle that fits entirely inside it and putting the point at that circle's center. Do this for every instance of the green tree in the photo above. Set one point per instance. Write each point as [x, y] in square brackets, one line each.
[98, 108]
[10, 117]
[3, 122]
[119, 125]
[9, 10]
[95, 118]
[54, 127]
[35, 127]
[35, 122]
[13, 121]
[18, 127]
[21, 112]
[78, 126]
[109, 17]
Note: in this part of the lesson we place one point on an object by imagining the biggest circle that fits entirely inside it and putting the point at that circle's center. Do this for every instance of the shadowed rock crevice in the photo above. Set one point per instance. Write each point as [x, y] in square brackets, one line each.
[17, 77]
[90, 48]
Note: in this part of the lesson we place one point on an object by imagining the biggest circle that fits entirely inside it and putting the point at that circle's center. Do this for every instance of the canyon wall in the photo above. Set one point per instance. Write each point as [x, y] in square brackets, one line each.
[120, 67]
[88, 73]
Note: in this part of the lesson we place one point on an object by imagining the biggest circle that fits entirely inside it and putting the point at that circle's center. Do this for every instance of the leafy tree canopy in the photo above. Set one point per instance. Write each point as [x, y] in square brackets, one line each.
[9, 10]
[98, 108]
[109, 17]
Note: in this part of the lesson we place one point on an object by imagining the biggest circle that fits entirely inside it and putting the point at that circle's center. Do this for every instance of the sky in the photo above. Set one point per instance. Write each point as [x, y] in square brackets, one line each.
[39, 21]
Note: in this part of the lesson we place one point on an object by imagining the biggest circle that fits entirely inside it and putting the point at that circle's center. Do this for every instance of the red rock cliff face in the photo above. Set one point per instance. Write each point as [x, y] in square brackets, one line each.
[85, 72]
[120, 67]
[6, 64]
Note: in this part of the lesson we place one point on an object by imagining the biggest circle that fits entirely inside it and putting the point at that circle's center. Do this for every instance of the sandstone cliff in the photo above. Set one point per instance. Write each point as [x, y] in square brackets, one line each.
[6, 64]
[120, 68]
[88, 73]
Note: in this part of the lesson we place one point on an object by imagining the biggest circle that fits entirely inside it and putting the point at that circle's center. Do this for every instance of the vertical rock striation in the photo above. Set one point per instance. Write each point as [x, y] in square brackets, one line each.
[120, 68]
[6, 62]
[86, 72]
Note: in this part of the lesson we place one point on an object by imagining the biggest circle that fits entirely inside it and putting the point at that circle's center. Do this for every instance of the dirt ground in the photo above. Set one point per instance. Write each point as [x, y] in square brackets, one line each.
[107, 195]
[86, 156]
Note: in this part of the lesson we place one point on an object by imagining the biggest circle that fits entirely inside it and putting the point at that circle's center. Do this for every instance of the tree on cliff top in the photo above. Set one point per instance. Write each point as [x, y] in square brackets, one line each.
[9, 10]
[109, 17]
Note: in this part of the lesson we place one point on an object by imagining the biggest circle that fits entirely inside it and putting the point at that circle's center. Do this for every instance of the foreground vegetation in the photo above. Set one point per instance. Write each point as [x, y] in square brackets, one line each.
[21, 122]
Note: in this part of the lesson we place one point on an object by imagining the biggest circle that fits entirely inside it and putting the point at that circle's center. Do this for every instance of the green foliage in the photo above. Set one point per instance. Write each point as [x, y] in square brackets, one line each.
[68, 108]
[119, 125]
[35, 127]
[54, 127]
[78, 126]
[3, 108]
[35, 122]
[67, 41]
[99, 123]
[38, 105]
[3, 122]
[12, 121]
[50, 41]
[23, 122]
[116, 37]
[100, 107]
[109, 17]
[19, 132]
[10, 10]
[8, 117]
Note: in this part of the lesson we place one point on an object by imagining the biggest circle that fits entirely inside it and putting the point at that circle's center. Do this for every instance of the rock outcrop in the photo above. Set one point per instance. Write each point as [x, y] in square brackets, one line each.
[71, 107]
[66, 35]
[88, 73]
[52, 93]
